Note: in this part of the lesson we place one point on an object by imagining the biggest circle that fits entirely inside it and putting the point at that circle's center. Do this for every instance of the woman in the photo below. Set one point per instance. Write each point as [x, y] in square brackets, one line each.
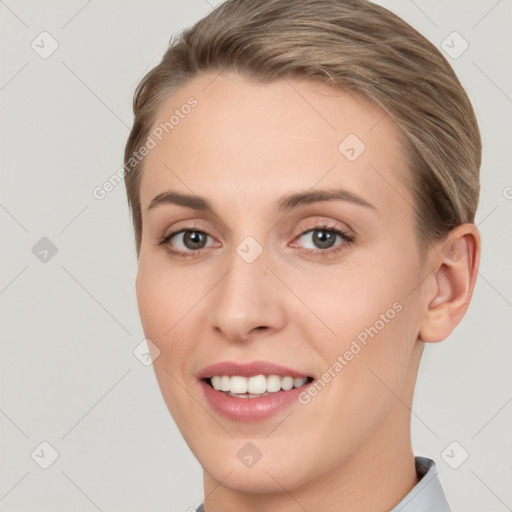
[303, 178]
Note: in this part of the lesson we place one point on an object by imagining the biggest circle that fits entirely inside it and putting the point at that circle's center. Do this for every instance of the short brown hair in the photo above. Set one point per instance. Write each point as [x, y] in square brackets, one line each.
[353, 45]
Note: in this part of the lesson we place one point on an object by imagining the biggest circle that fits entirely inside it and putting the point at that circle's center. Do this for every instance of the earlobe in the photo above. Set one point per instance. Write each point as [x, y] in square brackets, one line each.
[454, 275]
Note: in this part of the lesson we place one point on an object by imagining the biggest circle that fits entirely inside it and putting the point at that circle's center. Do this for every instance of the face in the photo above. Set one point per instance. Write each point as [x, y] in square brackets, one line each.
[281, 246]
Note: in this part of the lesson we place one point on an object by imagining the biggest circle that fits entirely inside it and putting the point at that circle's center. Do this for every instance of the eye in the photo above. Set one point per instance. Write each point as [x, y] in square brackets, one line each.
[323, 238]
[189, 242]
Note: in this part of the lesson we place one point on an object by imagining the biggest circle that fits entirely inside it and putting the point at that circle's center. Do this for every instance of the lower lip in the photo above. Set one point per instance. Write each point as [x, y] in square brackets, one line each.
[250, 409]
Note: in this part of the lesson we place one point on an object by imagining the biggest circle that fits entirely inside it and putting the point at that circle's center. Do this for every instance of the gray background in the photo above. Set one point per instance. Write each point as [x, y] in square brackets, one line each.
[70, 324]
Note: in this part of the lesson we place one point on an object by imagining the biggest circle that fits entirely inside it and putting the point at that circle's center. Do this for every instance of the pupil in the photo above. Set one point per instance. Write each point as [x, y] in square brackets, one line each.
[323, 239]
[194, 238]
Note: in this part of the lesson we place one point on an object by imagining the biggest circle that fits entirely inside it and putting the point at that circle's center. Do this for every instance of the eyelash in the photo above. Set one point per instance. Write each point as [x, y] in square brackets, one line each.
[311, 252]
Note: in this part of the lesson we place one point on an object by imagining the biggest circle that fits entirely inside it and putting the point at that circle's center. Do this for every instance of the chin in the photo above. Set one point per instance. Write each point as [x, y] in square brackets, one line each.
[263, 478]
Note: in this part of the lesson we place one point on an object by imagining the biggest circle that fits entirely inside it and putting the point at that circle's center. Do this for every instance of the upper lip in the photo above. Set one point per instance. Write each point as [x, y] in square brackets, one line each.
[248, 370]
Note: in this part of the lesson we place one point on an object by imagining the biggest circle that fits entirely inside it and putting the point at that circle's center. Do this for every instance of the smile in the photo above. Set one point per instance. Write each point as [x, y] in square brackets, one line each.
[256, 386]
[251, 391]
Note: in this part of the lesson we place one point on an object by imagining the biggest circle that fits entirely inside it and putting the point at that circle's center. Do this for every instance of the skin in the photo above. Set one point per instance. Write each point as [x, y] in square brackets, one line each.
[242, 148]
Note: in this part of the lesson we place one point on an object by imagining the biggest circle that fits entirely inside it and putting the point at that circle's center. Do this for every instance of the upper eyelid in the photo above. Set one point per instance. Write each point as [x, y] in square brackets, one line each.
[168, 235]
[345, 236]
[320, 215]
[319, 225]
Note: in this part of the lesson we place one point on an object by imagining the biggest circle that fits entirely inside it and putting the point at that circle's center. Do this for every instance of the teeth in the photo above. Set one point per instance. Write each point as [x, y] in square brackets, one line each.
[238, 384]
[256, 385]
[273, 383]
[297, 383]
[224, 383]
[287, 383]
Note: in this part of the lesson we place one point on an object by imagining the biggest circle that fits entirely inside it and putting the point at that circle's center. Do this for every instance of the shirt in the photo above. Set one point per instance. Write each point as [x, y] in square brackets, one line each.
[426, 496]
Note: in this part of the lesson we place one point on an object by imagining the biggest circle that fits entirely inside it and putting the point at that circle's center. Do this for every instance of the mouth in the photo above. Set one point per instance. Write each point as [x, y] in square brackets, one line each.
[256, 386]
[251, 391]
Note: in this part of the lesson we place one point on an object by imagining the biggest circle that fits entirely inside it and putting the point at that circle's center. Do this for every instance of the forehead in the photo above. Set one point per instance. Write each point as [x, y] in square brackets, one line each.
[245, 143]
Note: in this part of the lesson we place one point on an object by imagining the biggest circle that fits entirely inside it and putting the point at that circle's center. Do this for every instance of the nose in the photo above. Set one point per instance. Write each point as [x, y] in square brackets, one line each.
[248, 302]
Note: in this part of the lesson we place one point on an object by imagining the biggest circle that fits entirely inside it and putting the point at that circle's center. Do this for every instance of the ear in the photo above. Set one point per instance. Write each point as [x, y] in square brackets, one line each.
[456, 262]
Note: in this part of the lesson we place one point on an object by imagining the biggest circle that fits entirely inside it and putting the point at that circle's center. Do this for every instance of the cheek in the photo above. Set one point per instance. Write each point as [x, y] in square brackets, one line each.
[163, 298]
[163, 305]
[360, 301]
[373, 322]
[154, 301]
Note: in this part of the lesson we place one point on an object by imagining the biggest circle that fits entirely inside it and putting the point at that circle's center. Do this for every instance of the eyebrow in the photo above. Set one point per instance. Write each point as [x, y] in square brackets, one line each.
[285, 203]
